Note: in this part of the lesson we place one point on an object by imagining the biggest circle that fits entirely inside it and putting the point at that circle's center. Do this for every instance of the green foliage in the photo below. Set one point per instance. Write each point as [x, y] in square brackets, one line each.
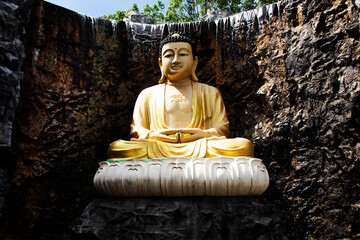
[239, 5]
[134, 8]
[265, 2]
[179, 11]
[190, 10]
[120, 14]
[248, 4]
[156, 11]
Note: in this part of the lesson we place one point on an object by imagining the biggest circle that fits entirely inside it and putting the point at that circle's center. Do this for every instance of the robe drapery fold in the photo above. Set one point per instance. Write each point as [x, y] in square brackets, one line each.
[208, 113]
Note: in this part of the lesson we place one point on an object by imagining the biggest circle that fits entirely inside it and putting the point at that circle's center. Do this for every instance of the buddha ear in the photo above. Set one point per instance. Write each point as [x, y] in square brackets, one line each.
[193, 75]
[162, 79]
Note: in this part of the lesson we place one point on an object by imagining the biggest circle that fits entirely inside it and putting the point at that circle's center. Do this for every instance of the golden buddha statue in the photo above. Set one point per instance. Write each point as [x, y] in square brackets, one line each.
[181, 126]
[179, 117]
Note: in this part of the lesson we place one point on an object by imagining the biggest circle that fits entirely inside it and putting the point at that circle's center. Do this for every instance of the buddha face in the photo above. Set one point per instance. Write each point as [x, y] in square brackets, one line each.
[177, 61]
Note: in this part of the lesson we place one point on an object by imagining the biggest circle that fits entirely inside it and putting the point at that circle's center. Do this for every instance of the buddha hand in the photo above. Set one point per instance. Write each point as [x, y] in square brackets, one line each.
[192, 134]
[165, 135]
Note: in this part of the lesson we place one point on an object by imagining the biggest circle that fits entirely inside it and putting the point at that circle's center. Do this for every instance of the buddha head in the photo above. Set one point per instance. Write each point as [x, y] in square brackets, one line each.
[177, 58]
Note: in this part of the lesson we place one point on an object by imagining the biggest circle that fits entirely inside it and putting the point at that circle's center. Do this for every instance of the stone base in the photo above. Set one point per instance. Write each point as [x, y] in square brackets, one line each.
[221, 176]
[181, 218]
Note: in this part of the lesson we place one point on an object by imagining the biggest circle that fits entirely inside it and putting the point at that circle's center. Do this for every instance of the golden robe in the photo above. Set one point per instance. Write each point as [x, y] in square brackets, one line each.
[208, 113]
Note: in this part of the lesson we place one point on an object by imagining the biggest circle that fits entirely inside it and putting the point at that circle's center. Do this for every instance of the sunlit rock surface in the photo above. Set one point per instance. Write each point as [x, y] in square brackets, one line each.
[138, 17]
[214, 15]
[289, 76]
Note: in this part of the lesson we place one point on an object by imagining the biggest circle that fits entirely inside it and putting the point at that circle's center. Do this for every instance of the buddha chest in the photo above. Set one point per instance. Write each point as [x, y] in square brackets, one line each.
[178, 106]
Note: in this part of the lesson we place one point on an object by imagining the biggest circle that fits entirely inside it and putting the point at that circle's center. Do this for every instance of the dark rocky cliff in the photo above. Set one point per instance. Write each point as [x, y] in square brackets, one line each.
[13, 17]
[289, 76]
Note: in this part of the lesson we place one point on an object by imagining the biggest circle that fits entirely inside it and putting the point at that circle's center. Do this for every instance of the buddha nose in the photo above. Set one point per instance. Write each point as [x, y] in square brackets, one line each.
[176, 59]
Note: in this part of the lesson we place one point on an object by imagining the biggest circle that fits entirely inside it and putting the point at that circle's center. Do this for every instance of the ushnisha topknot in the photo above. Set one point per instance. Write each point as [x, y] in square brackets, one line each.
[177, 37]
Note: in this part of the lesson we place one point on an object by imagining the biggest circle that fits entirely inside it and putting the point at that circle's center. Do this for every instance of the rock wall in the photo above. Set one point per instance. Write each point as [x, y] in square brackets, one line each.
[289, 76]
[71, 107]
[314, 94]
[14, 15]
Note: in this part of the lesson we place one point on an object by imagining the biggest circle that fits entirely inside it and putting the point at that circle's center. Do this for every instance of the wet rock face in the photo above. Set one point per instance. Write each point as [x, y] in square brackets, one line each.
[289, 76]
[61, 122]
[14, 15]
[312, 76]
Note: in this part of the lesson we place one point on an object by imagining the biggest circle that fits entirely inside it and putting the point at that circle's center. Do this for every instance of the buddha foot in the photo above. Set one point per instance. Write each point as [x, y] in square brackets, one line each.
[220, 176]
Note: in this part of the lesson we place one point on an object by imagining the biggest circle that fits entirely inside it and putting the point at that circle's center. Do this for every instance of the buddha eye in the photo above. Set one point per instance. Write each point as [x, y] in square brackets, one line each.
[184, 54]
[167, 55]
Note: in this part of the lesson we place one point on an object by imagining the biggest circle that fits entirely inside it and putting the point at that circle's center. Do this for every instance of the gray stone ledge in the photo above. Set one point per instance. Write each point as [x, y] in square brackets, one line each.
[181, 218]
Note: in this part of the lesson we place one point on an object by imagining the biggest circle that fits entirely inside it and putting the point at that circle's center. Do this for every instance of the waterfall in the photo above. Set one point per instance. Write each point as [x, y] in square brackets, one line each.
[252, 18]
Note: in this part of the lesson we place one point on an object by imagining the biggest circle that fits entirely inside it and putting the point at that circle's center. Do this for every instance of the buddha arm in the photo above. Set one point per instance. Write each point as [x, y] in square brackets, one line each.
[211, 107]
[140, 125]
[217, 123]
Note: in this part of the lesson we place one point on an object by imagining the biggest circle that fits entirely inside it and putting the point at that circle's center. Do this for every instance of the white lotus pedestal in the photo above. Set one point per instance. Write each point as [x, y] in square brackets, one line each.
[221, 176]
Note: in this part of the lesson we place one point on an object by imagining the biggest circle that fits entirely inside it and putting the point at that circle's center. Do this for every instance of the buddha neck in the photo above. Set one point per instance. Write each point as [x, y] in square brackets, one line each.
[179, 83]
